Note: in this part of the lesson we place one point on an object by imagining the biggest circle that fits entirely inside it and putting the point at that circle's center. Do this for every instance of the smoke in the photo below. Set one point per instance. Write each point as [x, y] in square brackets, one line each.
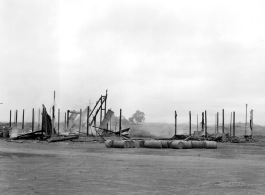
[13, 132]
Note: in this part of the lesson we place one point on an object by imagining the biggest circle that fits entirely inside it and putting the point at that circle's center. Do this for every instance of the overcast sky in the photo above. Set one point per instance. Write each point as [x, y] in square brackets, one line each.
[152, 56]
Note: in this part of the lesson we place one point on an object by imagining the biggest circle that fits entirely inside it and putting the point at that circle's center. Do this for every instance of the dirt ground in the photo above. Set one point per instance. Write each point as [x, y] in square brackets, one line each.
[91, 168]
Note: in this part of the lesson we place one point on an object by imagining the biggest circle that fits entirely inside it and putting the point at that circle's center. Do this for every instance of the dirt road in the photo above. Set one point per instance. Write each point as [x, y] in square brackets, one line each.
[91, 168]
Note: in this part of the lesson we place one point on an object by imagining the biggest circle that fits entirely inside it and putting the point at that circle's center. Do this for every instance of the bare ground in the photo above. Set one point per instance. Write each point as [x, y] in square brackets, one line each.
[91, 168]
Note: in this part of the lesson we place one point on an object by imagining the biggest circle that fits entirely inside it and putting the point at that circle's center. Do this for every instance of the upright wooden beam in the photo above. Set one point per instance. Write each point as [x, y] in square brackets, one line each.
[38, 120]
[16, 117]
[101, 102]
[23, 120]
[202, 121]
[53, 115]
[10, 120]
[87, 121]
[223, 121]
[205, 123]
[95, 122]
[120, 122]
[32, 119]
[68, 118]
[175, 122]
[251, 122]
[189, 123]
[234, 124]
[58, 121]
[65, 120]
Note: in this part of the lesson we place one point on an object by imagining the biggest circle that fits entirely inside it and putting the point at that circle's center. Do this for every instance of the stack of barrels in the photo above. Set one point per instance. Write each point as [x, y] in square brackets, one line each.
[175, 144]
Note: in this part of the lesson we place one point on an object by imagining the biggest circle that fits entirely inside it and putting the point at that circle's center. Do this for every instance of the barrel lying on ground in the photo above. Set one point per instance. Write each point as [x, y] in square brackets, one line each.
[136, 144]
[210, 145]
[141, 143]
[164, 144]
[197, 144]
[120, 144]
[130, 143]
[153, 144]
[180, 144]
[109, 143]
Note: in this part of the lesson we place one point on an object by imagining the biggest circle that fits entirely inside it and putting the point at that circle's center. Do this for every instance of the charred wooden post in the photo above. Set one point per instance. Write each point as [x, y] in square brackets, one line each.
[234, 124]
[58, 121]
[80, 121]
[38, 120]
[202, 121]
[87, 121]
[53, 115]
[176, 123]
[68, 118]
[23, 120]
[120, 122]
[251, 122]
[65, 120]
[32, 119]
[223, 121]
[95, 122]
[16, 117]
[101, 102]
[10, 118]
[190, 123]
[205, 123]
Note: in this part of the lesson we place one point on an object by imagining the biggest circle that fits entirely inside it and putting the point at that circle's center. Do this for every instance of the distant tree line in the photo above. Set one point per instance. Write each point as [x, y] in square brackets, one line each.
[137, 118]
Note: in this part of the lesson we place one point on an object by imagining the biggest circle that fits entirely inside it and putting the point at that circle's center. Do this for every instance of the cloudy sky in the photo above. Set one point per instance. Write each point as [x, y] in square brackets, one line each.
[152, 56]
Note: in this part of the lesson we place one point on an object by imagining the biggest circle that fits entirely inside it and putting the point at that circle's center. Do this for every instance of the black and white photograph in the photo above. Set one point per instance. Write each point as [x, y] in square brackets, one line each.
[134, 97]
